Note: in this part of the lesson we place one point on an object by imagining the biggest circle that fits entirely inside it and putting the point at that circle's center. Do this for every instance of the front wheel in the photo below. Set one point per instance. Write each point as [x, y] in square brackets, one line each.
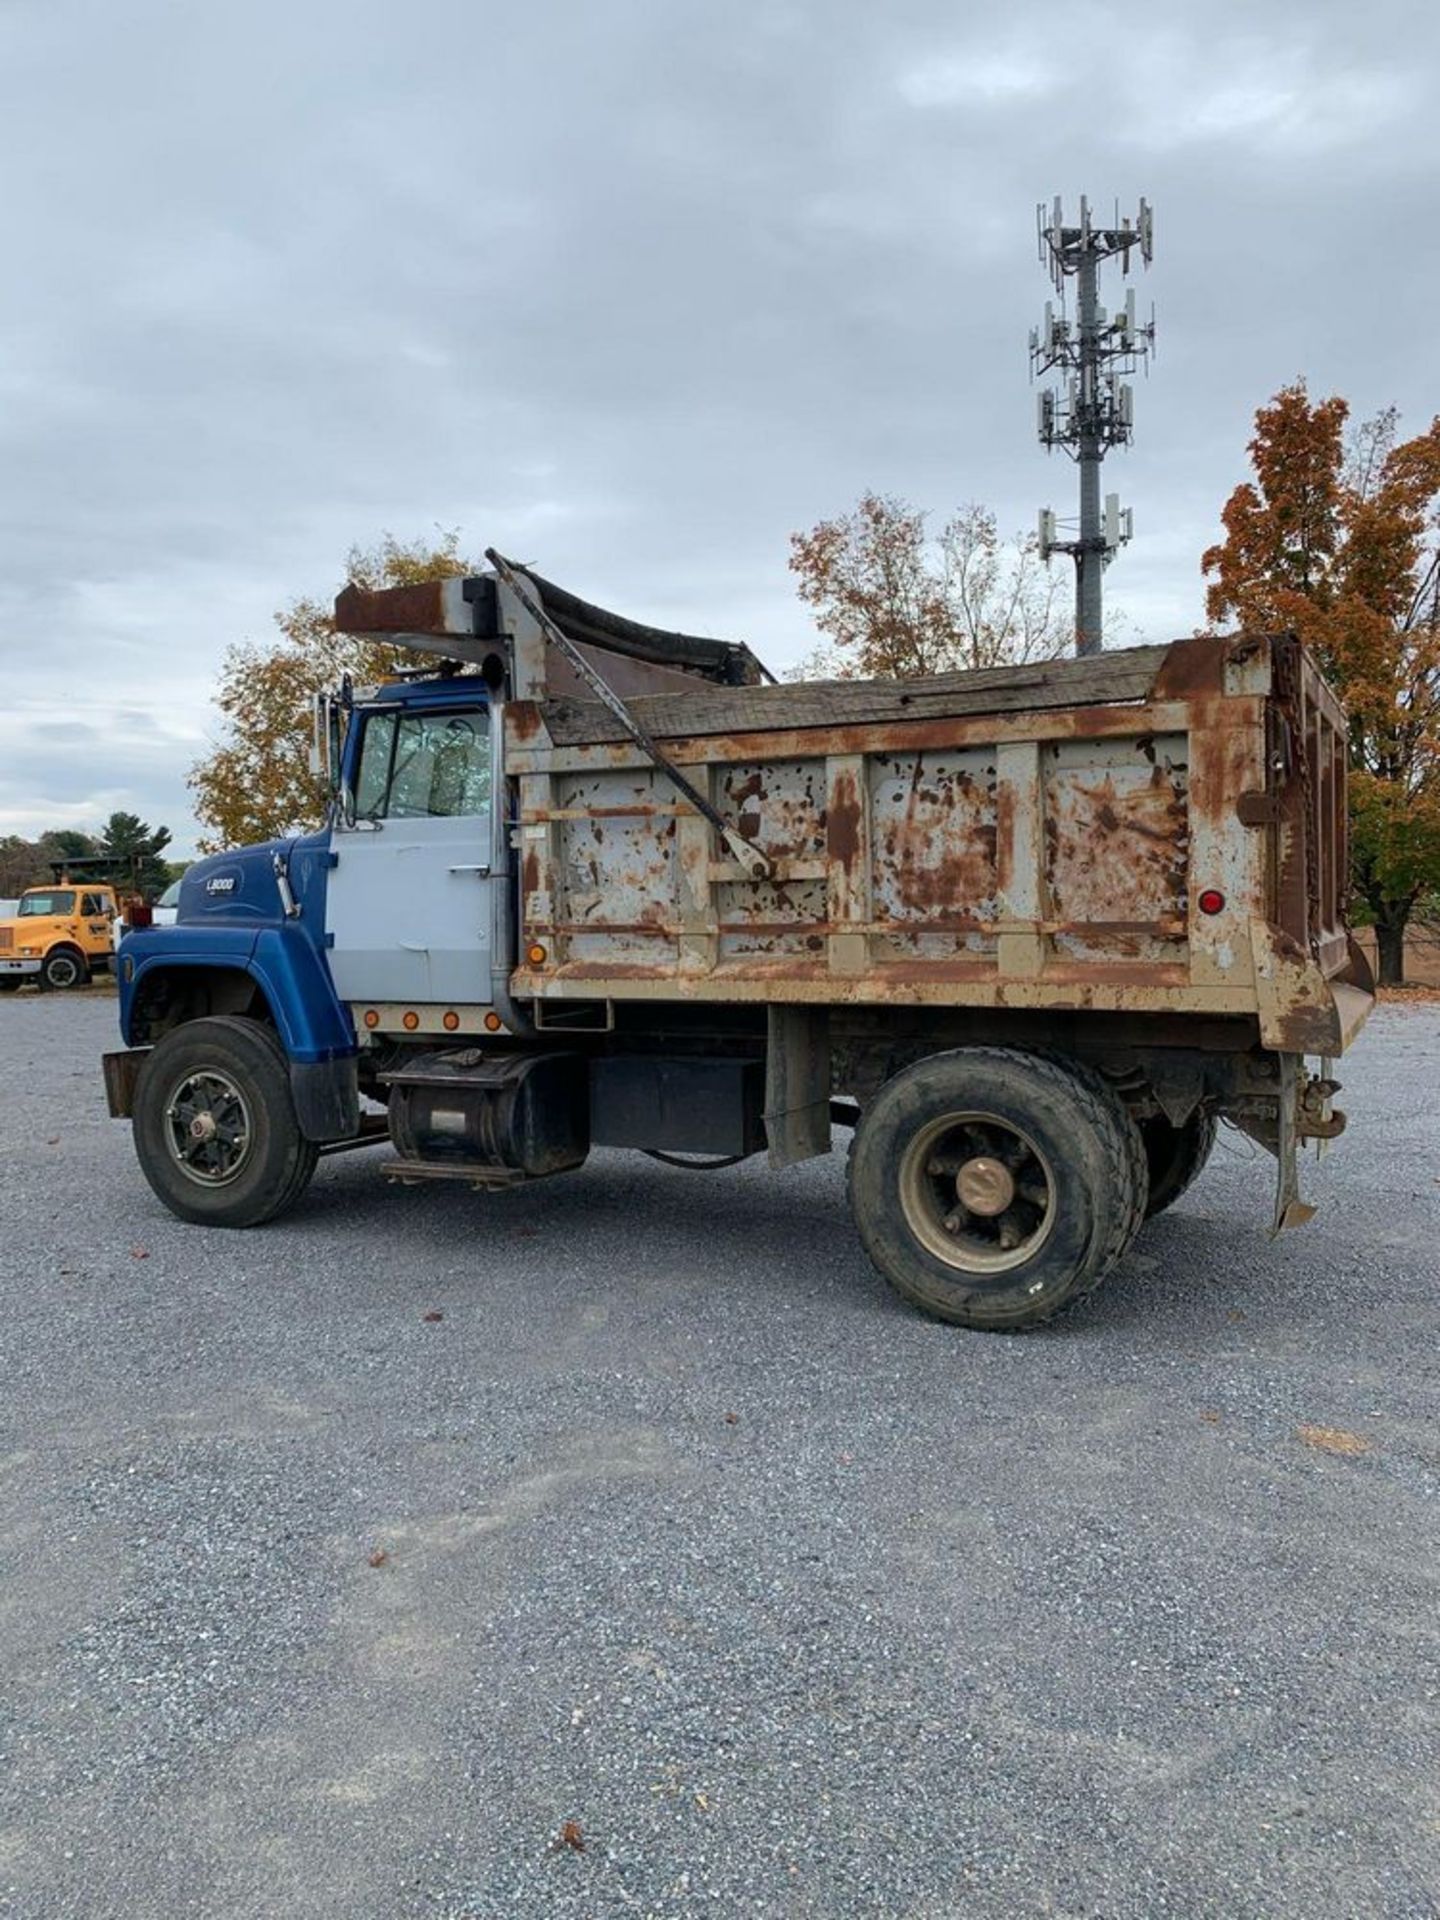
[215, 1127]
[993, 1188]
[63, 969]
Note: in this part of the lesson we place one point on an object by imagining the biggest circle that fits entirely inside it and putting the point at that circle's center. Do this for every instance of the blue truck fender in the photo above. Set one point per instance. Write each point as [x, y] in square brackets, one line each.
[310, 1021]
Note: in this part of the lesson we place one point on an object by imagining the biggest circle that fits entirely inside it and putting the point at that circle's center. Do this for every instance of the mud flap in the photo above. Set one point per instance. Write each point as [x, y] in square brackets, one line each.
[797, 1084]
[1290, 1209]
[327, 1098]
[1276, 1127]
[122, 1076]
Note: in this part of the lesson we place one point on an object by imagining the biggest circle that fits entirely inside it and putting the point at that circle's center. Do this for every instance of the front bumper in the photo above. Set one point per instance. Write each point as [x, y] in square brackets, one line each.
[26, 967]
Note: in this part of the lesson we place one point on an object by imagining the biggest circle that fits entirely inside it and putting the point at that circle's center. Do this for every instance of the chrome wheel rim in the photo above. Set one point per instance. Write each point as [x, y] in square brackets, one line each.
[207, 1127]
[977, 1193]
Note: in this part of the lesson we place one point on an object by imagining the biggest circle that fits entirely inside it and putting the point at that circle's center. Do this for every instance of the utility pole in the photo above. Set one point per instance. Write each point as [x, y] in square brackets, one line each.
[1095, 409]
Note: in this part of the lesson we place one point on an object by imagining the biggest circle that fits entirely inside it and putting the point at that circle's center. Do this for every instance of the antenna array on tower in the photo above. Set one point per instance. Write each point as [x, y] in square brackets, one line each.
[1093, 407]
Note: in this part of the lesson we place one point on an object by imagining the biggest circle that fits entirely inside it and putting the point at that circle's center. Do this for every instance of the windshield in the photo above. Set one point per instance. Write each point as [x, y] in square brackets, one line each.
[34, 904]
[171, 896]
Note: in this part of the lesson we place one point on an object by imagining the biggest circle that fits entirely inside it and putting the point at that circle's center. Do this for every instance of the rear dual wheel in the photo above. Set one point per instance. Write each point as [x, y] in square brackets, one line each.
[1176, 1155]
[994, 1188]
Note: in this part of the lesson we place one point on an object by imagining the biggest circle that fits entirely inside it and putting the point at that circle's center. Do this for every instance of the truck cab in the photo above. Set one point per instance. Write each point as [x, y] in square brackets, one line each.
[58, 937]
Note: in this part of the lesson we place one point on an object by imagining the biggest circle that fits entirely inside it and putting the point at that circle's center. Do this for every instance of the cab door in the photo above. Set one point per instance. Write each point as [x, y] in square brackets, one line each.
[96, 927]
[408, 904]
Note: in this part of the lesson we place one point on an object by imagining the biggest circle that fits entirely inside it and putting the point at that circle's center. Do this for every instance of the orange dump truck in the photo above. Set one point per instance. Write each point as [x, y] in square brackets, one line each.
[58, 936]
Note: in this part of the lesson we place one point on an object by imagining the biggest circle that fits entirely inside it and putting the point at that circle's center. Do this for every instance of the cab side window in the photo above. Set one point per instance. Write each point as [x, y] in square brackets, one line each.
[91, 906]
[423, 766]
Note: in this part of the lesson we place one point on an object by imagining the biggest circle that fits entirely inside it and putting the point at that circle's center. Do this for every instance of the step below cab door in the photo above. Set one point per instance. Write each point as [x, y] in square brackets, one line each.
[408, 905]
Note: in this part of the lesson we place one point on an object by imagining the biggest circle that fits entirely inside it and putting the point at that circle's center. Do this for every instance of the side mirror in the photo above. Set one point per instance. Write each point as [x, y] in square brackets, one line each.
[319, 733]
[327, 721]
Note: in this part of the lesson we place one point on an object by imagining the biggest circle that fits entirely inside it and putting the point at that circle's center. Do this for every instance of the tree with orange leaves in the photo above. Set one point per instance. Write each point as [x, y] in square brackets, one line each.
[1338, 538]
[892, 604]
[256, 784]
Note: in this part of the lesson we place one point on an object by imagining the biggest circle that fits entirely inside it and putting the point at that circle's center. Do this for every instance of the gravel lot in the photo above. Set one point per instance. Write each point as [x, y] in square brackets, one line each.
[679, 1527]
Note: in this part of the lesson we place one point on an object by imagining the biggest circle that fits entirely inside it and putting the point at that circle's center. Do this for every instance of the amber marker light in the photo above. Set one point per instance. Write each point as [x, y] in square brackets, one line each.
[372, 1018]
[493, 1023]
[410, 1022]
[450, 1022]
[536, 955]
[1211, 901]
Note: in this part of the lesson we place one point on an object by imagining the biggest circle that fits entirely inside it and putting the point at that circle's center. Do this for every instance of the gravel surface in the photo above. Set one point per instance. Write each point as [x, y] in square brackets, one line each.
[346, 1561]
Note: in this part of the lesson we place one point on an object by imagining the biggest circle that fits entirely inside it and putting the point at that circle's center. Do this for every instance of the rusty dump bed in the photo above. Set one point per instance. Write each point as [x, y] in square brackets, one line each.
[1154, 830]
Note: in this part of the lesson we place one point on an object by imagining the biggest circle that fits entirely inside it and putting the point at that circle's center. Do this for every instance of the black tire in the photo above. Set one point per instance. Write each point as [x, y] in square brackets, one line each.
[255, 1162]
[1176, 1155]
[61, 969]
[975, 1126]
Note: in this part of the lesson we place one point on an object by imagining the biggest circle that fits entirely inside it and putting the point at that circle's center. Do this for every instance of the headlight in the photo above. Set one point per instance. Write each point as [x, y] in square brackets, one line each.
[29, 953]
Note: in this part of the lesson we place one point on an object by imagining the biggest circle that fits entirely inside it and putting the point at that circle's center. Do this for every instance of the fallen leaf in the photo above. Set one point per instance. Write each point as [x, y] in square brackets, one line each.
[139, 1253]
[432, 1316]
[703, 1802]
[1333, 1440]
[1209, 1416]
[732, 1419]
[569, 1836]
[379, 1557]
[1235, 1314]
[846, 1458]
[53, 1143]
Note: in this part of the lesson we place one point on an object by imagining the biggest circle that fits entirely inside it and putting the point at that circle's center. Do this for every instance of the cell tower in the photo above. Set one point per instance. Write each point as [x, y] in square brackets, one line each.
[1094, 410]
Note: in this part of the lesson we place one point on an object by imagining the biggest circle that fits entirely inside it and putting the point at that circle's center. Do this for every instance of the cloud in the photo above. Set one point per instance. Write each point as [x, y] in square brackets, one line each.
[980, 76]
[1273, 96]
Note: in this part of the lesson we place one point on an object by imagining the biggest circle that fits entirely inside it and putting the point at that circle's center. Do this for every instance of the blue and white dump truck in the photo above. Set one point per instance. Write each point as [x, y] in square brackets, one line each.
[1030, 932]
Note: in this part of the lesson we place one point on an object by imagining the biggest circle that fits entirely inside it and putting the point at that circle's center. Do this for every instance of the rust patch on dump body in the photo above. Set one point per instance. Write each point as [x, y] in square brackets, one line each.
[1004, 816]
[934, 840]
[615, 882]
[523, 719]
[844, 821]
[779, 805]
[1117, 842]
[1191, 668]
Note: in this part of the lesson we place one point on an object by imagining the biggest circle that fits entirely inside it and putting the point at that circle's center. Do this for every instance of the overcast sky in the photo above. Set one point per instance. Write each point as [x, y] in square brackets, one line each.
[632, 290]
